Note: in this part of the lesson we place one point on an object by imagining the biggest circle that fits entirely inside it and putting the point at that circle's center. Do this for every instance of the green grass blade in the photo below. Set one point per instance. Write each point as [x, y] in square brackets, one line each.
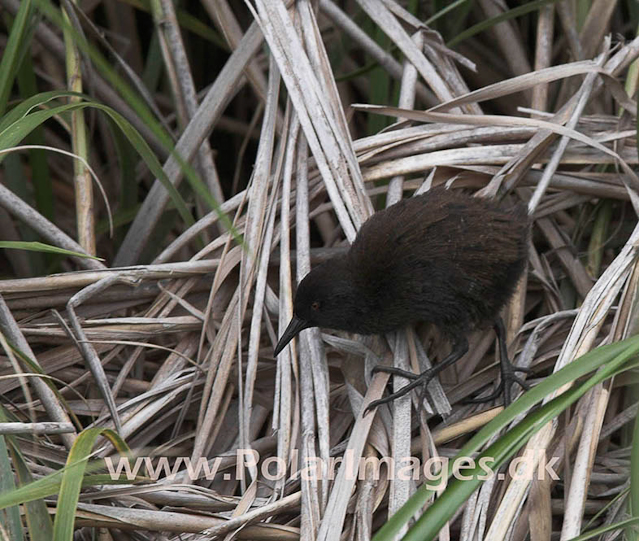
[13, 50]
[72, 478]
[634, 478]
[598, 532]
[39, 523]
[10, 516]
[28, 105]
[506, 16]
[611, 356]
[23, 124]
[188, 22]
[142, 110]
[444, 11]
[40, 178]
[41, 247]
[68, 481]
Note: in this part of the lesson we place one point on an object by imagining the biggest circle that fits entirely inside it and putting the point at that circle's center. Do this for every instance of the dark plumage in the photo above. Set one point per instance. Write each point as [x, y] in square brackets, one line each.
[442, 257]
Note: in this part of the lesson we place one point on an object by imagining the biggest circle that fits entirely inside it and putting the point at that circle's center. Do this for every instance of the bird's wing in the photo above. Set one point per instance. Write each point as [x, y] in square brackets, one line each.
[396, 240]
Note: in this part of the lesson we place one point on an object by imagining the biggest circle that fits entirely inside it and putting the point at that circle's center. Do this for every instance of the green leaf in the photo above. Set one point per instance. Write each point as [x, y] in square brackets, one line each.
[15, 47]
[611, 357]
[142, 110]
[489, 23]
[40, 177]
[24, 122]
[440, 13]
[68, 481]
[72, 478]
[9, 517]
[634, 478]
[39, 523]
[41, 247]
[188, 22]
[598, 532]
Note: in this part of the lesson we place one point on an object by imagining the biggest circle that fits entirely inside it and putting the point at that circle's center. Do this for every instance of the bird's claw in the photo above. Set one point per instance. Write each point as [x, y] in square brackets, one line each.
[508, 377]
[394, 371]
[422, 379]
[371, 406]
[460, 347]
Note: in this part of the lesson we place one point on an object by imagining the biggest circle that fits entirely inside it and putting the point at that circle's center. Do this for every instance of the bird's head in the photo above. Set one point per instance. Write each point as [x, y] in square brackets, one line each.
[326, 297]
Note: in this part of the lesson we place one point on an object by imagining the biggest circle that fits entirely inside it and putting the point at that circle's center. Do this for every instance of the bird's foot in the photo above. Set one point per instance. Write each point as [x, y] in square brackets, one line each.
[418, 380]
[508, 377]
[508, 371]
[460, 347]
[395, 371]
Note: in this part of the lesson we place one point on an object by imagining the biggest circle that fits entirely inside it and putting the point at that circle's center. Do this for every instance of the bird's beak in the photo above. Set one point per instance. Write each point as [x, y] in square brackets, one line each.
[294, 327]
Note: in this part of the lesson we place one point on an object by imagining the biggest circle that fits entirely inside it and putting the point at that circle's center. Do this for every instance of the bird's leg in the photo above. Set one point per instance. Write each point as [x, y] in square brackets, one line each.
[508, 371]
[460, 347]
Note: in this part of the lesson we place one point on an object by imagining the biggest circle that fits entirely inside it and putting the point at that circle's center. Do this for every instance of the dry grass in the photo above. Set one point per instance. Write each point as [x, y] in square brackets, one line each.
[168, 340]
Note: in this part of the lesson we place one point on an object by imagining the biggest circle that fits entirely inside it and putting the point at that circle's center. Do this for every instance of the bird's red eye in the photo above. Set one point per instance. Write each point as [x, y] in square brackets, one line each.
[315, 306]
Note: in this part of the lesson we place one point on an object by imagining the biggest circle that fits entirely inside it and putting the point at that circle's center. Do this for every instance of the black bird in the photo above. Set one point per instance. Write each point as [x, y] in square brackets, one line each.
[442, 257]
